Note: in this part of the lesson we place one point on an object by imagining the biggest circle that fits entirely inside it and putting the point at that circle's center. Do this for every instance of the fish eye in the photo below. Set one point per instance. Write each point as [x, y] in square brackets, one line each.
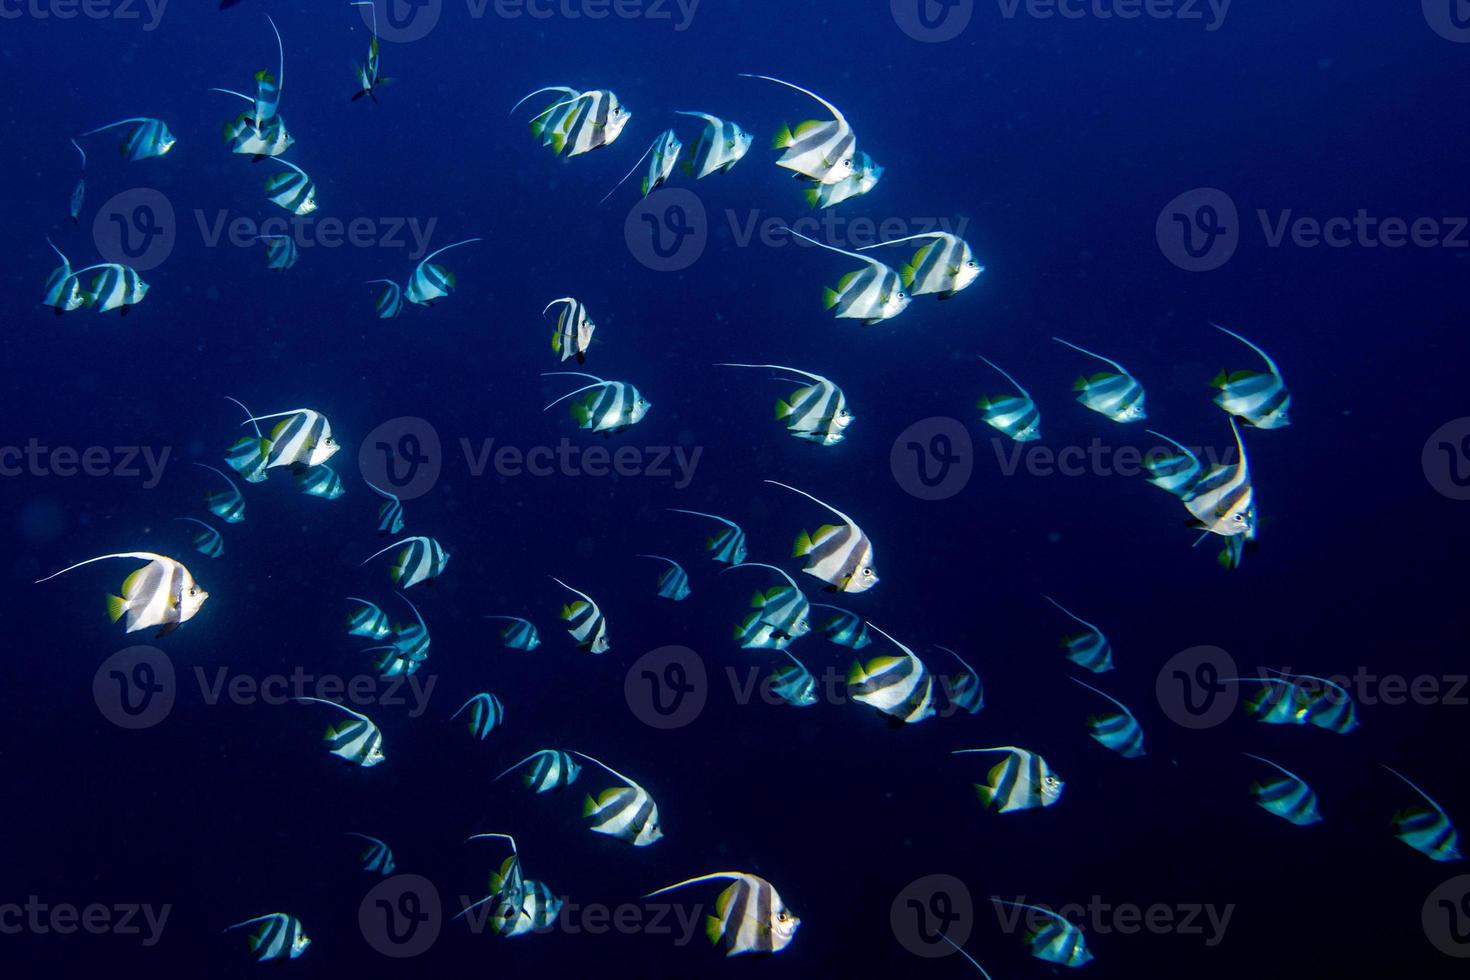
[781, 916]
[868, 572]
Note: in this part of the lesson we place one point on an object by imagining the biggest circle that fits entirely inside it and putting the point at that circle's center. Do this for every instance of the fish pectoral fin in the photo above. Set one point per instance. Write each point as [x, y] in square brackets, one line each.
[166, 629]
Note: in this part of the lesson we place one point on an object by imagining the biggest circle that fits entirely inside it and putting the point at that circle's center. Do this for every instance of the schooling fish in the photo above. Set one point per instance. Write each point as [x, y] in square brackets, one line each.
[625, 812]
[783, 608]
[1222, 502]
[665, 150]
[147, 138]
[281, 936]
[814, 413]
[228, 505]
[319, 481]
[557, 118]
[728, 545]
[964, 690]
[268, 88]
[280, 251]
[553, 769]
[1022, 782]
[390, 303]
[673, 582]
[585, 621]
[840, 556]
[409, 646]
[367, 620]
[844, 628]
[574, 328]
[865, 176]
[431, 281]
[871, 294]
[208, 541]
[794, 684]
[368, 79]
[1015, 415]
[750, 916]
[944, 266]
[1089, 649]
[358, 741]
[1058, 941]
[257, 143]
[720, 146]
[114, 287]
[1118, 730]
[1179, 473]
[302, 438]
[1288, 795]
[1117, 396]
[520, 634]
[522, 905]
[1302, 699]
[900, 687]
[608, 406]
[1427, 831]
[1256, 398]
[63, 288]
[293, 191]
[378, 857]
[390, 514]
[817, 150]
[421, 560]
[161, 593]
[486, 714]
[79, 192]
[579, 123]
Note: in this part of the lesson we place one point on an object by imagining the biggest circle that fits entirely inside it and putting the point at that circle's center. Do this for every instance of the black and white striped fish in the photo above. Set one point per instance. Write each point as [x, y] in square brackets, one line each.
[318, 481]
[1117, 396]
[293, 190]
[574, 329]
[840, 556]
[390, 514]
[625, 812]
[964, 690]
[1118, 730]
[431, 281]
[520, 634]
[782, 614]
[1055, 941]
[817, 150]
[1427, 831]
[579, 123]
[555, 119]
[585, 621]
[728, 545]
[750, 916]
[280, 251]
[673, 582]
[227, 505]
[1089, 649]
[207, 541]
[161, 593]
[664, 150]
[522, 905]
[1176, 472]
[552, 769]
[1287, 796]
[865, 176]
[720, 146]
[815, 412]
[1303, 699]
[793, 683]
[486, 714]
[63, 288]
[1022, 781]
[900, 687]
[147, 138]
[871, 294]
[367, 620]
[409, 648]
[357, 740]
[115, 287]
[421, 560]
[1015, 415]
[390, 303]
[281, 936]
[369, 80]
[378, 857]
[944, 266]
[302, 438]
[246, 139]
[1222, 501]
[79, 192]
[844, 628]
[606, 406]
[1256, 398]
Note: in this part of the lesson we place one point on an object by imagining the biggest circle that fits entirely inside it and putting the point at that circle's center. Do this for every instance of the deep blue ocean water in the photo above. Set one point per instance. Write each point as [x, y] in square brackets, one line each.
[1053, 144]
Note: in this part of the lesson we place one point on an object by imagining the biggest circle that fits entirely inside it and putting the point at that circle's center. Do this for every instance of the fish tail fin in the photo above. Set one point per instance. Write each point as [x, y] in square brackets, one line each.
[803, 545]
[782, 409]
[907, 275]
[589, 806]
[116, 606]
[986, 793]
[829, 298]
[713, 928]
[1219, 380]
[813, 197]
[783, 138]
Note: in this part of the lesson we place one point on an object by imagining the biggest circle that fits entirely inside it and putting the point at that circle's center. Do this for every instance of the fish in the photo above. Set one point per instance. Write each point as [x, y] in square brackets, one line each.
[665, 150]
[302, 438]
[431, 281]
[486, 714]
[673, 582]
[1287, 796]
[367, 620]
[520, 634]
[871, 294]
[900, 687]
[728, 545]
[1179, 473]
[720, 146]
[523, 905]
[574, 328]
[1089, 649]
[750, 917]
[208, 541]
[227, 505]
[115, 287]
[585, 621]
[1257, 398]
[390, 303]
[1427, 831]
[161, 593]
[1117, 730]
[626, 812]
[409, 647]
[359, 741]
[1015, 415]
[257, 143]
[1022, 782]
[63, 288]
[293, 191]
[268, 87]
[844, 628]
[815, 412]
[368, 78]
[794, 684]
[783, 608]
[79, 192]
[281, 936]
[1059, 941]
[865, 176]
[378, 857]
[421, 560]
[319, 481]
[553, 769]
[840, 556]
[245, 457]
[944, 266]
[390, 514]
[609, 406]
[1222, 501]
[1117, 396]
[557, 118]
[1231, 555]
[280, 251]
[580, 123]
[148, 138]
[1302, 699]
[964, 690]
[816, 150]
